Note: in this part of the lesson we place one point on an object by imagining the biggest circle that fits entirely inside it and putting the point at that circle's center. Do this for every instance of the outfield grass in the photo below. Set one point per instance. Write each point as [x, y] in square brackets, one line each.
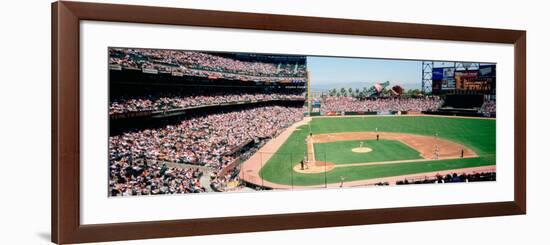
[478, 134]
[340, 152]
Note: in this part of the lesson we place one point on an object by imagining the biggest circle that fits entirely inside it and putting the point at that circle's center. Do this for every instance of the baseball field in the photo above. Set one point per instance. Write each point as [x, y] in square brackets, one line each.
[361, 148]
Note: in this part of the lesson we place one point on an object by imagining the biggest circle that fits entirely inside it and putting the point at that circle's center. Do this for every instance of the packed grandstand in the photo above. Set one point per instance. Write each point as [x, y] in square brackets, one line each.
[351, 104]
[392, 104]
[180, 100]
[211, 65]
[488, 108]
[211, 141]
[228, 106]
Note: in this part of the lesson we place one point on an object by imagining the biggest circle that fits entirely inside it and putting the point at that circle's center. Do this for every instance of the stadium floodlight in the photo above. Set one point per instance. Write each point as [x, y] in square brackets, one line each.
[427, 67]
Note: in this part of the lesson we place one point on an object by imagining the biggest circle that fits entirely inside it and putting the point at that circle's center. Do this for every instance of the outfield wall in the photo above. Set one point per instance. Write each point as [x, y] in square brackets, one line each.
[353, 113]
[443, 112]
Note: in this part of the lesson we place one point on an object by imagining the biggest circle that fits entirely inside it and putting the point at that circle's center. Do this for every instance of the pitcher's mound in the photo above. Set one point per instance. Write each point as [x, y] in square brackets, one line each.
[361, 150]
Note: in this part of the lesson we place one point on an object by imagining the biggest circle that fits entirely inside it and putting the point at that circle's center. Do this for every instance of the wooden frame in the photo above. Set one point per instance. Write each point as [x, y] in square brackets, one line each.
[66, 227]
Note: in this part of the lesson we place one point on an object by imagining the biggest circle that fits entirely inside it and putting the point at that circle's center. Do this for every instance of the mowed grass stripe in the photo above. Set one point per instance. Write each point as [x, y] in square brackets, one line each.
[480, 135]
[340, 152]
[383, 170]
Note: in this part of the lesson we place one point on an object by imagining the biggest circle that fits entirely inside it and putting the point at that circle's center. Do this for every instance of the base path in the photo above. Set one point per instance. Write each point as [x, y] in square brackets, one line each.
[427, 146]
[250, 169]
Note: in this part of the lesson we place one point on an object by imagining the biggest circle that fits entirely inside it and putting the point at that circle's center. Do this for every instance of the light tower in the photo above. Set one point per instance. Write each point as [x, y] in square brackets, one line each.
[427, 67]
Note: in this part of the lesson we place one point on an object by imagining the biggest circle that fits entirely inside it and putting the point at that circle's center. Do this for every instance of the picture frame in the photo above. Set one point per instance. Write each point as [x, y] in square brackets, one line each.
[65, 175]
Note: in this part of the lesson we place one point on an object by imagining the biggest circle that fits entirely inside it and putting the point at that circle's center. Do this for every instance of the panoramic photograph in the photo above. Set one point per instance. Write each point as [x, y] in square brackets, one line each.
[184, 122]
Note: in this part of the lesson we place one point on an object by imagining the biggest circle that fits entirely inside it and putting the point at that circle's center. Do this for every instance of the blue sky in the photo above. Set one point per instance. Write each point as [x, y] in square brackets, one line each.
[327, 71]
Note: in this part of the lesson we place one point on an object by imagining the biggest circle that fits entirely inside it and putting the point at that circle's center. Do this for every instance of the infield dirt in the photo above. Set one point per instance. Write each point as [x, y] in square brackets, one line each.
[425, 145]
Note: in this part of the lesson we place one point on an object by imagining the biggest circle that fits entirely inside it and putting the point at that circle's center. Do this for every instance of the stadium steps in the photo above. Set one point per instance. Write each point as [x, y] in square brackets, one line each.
[205, 181]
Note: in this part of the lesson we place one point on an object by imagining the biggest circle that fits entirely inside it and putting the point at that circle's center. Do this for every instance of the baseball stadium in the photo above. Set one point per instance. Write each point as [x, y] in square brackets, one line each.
[196, 122]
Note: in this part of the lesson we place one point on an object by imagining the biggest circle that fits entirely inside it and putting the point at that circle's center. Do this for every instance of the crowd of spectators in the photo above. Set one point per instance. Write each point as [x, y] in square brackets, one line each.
[157, 160]
[488, 108]
[169, 101]
[226, 182]
[230, 181]
[207, 140]
[136, 158]
[352, 104]
[206, 65]
[143, 177]
[452, 178]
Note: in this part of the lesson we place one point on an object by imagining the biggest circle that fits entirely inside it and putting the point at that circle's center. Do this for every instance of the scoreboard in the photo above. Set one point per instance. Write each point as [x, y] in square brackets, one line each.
[481, 80]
